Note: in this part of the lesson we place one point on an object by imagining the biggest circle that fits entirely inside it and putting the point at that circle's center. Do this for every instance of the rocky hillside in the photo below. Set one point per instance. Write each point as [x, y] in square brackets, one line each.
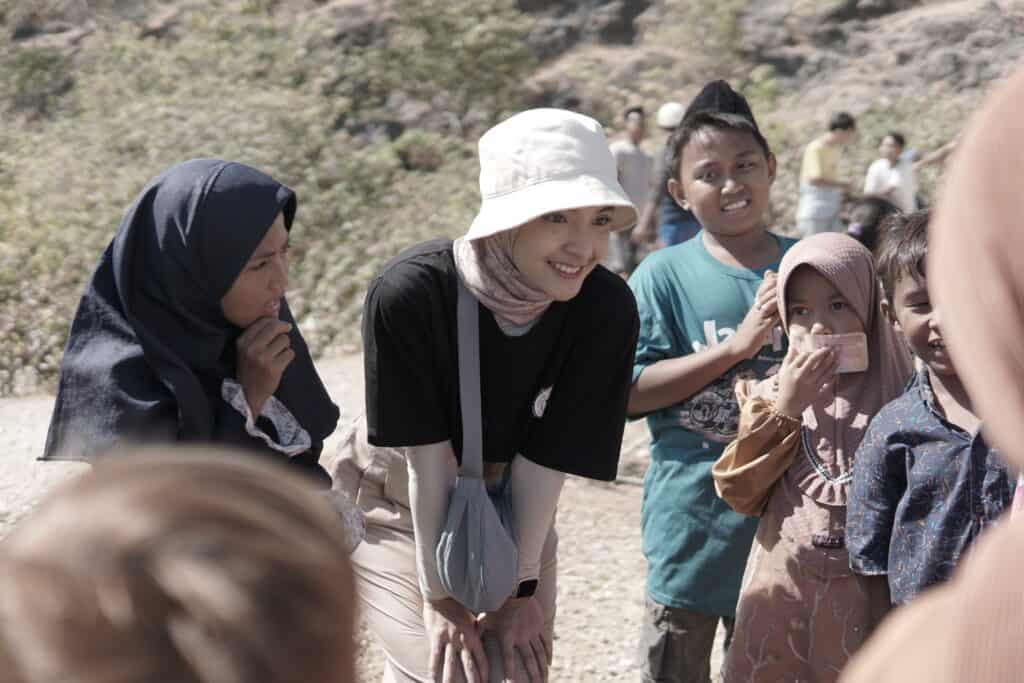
[917, 66]
[370, 109]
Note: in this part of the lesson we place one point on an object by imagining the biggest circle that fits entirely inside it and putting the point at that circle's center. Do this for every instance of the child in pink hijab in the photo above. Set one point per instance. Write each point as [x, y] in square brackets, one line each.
[801, 610]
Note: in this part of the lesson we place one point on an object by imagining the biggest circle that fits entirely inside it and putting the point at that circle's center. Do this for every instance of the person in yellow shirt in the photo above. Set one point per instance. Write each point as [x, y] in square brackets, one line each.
[821, 188]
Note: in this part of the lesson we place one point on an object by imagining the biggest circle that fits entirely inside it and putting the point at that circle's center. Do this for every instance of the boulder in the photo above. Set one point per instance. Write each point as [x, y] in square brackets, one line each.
[562, 24]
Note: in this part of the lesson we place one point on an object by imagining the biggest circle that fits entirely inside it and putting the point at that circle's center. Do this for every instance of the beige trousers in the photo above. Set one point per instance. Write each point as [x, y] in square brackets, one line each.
[385, 562]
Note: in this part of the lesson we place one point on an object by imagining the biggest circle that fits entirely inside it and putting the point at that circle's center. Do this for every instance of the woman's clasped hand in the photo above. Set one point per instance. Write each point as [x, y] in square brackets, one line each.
[457, 638]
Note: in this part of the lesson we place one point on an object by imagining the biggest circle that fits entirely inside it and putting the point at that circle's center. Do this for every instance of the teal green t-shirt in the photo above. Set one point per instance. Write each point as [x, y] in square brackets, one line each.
[696, 546]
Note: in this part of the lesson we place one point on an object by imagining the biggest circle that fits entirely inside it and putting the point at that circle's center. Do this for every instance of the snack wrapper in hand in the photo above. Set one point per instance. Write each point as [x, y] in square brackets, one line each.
[852, 349]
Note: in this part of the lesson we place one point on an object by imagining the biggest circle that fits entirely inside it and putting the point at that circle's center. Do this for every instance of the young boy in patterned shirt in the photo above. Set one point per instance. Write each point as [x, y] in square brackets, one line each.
[925, 482]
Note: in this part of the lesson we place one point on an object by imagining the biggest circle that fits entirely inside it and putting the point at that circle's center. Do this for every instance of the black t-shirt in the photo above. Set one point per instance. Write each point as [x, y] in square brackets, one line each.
[556, 394]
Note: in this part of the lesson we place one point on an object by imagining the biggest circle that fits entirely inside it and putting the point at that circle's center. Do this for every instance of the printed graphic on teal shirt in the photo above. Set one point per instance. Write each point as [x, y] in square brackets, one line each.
[713, 411]
[696, 546]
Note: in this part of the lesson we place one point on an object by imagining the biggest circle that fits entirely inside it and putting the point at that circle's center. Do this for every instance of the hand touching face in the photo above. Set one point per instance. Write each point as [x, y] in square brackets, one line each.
[815, 306]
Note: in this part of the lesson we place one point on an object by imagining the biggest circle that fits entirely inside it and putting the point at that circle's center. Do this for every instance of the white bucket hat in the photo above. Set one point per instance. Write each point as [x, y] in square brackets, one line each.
[546, 160]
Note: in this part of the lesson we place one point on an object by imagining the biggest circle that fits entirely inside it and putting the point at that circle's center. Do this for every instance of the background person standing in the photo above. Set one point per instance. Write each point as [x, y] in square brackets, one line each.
[894, 176]
[821, 190]
[634, 168]
[662, 219]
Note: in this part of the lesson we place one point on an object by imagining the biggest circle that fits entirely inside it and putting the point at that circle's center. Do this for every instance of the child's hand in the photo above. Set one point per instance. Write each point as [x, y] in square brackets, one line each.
[803, 378]
[753, 332]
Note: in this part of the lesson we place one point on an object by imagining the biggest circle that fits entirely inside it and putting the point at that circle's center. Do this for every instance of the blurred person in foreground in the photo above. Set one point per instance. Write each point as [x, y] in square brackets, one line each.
[971, 628]
[178, 566]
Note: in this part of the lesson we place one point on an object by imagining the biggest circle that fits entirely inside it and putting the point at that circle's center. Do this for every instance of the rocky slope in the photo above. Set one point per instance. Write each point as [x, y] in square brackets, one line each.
[371, 108]
[917, 66]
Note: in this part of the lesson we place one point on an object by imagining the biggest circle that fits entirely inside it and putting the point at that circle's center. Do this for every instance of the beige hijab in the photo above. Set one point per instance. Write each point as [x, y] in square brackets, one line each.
[972, 629]
[486, 267]
[834, 431]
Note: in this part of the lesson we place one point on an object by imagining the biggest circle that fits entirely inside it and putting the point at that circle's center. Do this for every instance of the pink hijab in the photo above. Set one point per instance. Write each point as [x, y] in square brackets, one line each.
[835, 431]
[972, 628]
[490, 274]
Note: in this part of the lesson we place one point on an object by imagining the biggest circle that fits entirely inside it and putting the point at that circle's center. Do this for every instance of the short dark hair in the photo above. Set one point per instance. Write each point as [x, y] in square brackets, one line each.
[698, 121]
[897, 138]
[842, 121]
[633, 110]
[866, 216]
[901, 249]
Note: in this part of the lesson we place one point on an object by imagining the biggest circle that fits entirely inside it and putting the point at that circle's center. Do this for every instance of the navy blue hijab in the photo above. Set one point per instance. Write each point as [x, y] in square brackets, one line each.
[149, 346]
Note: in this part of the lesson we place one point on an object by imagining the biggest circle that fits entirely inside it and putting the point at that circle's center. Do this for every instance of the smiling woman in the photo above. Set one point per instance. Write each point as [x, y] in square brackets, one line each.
[557, 250]
[184, 333]
[556, 337]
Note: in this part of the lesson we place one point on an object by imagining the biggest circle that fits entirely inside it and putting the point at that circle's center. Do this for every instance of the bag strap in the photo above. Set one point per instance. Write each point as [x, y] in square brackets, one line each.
[468, 323]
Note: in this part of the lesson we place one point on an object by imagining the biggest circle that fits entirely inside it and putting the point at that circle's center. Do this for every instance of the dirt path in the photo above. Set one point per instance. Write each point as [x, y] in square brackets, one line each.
[601, 569]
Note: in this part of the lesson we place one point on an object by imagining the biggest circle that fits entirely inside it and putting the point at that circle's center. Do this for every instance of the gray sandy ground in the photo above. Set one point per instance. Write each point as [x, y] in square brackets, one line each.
[601, 569]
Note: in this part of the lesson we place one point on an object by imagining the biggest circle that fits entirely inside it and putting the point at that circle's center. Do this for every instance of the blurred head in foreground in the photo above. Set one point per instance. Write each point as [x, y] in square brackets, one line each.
[184, 568]
[971, 628]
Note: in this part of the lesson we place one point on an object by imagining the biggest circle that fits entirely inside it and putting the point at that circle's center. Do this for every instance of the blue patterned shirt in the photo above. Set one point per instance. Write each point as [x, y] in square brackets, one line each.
[922, 491]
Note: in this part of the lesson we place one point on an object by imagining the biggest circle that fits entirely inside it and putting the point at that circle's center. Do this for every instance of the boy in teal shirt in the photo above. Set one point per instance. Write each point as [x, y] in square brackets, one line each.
[707, 318]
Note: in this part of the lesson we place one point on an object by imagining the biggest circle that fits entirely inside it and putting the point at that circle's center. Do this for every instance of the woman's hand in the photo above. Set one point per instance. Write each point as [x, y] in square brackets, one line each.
[519, 625]
[454, 637]
[759, 321]
[803, 378]
[264, 351]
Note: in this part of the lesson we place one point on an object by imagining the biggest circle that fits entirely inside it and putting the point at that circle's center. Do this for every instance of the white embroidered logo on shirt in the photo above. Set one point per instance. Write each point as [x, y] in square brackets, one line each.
[540, 404]
[714, 336]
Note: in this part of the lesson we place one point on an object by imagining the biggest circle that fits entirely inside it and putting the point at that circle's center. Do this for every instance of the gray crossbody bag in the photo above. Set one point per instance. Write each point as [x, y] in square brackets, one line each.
[478, 552]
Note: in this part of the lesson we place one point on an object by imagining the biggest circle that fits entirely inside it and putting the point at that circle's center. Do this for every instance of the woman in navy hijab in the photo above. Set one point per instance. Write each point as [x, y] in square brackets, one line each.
[184, 333]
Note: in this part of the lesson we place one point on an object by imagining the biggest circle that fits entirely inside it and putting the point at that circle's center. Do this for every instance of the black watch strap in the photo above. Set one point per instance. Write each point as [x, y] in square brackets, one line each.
[527, 588]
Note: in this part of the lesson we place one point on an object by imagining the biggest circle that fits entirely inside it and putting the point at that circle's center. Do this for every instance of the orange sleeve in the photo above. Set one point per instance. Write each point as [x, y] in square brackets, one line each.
[765, 445]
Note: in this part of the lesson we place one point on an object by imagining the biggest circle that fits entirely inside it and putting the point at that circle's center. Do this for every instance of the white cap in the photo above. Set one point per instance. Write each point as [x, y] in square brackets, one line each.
[670, 114]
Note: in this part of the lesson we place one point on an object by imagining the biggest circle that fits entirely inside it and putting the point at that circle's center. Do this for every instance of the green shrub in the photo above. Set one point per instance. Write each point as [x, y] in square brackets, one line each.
[420, 150]
[33, 80]
[245, 82]
[472, 55]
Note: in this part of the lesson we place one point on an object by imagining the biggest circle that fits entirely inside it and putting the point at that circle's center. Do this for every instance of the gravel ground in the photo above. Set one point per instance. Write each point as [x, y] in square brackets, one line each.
[601, 569]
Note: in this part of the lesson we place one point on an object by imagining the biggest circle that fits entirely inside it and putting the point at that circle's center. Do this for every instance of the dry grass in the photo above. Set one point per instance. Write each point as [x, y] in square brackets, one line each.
[378, 138]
